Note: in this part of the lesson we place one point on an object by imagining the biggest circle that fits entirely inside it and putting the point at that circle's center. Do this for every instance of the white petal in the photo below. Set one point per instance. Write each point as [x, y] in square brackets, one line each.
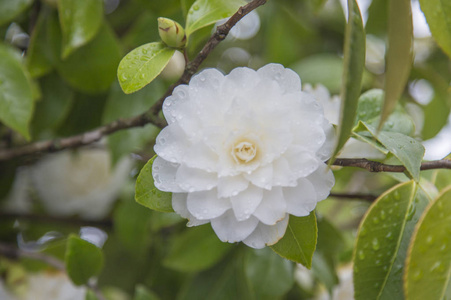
[206, 205]
[171, 143]
[309, 136]
[302, 163]
[326, 149]
[241, 79]
[288, 80]
[200, 156]
[272, 208]
[231, 186]
[179, 206]
[163, 173]
[300, 198]
[282, 174]
[323, 180]
[266, 235]
[261, 177]
[193, 180]
[245, 203]
[228, 229]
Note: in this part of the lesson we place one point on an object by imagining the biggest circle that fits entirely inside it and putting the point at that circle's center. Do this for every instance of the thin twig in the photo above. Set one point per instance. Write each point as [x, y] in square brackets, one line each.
[374, 166]
[54, 219]
[365, 197]
[149, 117]
[13, 252]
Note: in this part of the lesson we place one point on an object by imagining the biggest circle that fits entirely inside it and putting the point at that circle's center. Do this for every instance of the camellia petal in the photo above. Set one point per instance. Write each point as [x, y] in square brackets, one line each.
[229, 229]
[206, 205]
[243, 151]
[245, 203]
[265, 235]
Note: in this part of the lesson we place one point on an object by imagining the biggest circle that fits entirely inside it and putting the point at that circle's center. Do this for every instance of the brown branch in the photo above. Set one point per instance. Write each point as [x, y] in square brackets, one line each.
[365, 197]
[54, 219]
[15, 253]
[374, 166]
[149, 117]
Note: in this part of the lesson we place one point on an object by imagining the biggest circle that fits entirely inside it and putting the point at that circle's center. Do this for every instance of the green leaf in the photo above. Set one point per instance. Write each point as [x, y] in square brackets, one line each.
[267, 273]
[206, 12]
[382, 242]
[196, 249]
[438, 16]
[54, 106]
[399, 54]
[100, 58]
[369, 108]
[299, 241]
[409, 151]
[120, 105]
[142, 293]
[80, 21]
[147, 194]
[83, 260]
[428, 263]
[141, 65]
[317, 5]
[16, 98]
[9, 9]
[132, 226]
[37, 59]
[353, 66]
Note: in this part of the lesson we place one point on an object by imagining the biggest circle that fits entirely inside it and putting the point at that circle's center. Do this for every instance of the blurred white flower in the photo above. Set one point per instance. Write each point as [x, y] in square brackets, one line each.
[52, 285]
[246, 28]
[331, 105]
[243, 151]
[81, 182]
[345, 288]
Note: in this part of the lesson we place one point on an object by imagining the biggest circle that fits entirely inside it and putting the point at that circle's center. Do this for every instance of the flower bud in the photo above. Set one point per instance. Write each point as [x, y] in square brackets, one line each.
[171, 32]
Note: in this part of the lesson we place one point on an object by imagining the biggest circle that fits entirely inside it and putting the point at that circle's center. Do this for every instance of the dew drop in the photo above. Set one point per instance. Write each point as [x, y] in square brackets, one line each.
[389, 235]
[411, 213]
[383, 215]
[375, 244]
[162, 140]
[417, 275]
[437, 267]
[396, 195]
[376, 220]
[196, 7]
[363, 231]
[443, 247]
[429, 240]
[361, 255]
[378, 262]
[142, 76]
[144, 51]
[123, 77]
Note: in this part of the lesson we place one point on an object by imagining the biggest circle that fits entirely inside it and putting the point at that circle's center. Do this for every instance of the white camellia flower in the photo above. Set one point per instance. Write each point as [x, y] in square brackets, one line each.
[243, 151]
[82, 182]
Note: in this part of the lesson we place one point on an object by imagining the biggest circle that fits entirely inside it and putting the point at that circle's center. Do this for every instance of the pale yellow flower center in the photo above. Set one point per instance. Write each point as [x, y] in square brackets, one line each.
[244, 152]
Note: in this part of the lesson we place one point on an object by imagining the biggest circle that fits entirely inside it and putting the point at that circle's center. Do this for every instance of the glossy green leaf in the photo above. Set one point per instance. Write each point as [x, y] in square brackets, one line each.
[267, 273]
[429, 260]
[141, 65]
[370, 106]
[9, 9]
[100, 58]
[132, 226]
[53, 107]
[399, 54]
[80, 21]
[299, 241]
[16, 98]
[142, 293]
[37, 59]
[147, 194]
[382, 242]
[206, 12]
[409, 151]
[195, 249]
[441, 177]
[120, 105]
[353, 66]
[438, 16]
[83, 260]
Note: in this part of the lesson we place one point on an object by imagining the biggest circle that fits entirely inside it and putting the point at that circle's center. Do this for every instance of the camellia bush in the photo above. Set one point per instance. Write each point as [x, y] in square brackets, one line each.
[224, 149]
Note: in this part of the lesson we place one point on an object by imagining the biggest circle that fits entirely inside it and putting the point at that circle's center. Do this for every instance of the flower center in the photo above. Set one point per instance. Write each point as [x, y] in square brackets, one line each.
[244, 152]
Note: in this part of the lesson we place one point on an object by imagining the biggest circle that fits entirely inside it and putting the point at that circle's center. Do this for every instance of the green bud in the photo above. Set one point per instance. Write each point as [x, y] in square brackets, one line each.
[171, 32]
